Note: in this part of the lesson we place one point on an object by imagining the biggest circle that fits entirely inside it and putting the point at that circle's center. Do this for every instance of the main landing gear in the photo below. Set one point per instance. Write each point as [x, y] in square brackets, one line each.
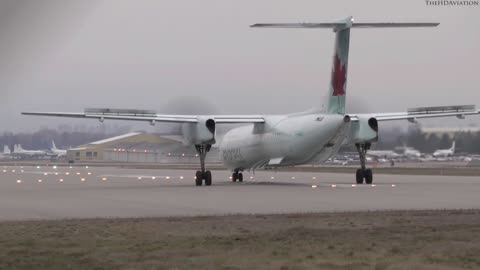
[363, 172]
[236, 175]
[203, 175]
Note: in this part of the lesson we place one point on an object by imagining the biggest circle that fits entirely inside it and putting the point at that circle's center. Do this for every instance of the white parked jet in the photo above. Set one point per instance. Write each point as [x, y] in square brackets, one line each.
[445, 152]
[18, 151]
[54, 151]
[292, 139]
[6, 152]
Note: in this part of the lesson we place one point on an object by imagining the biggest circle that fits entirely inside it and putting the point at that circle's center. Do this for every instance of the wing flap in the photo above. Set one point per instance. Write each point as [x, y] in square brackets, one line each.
[150, 116]
[423, 112]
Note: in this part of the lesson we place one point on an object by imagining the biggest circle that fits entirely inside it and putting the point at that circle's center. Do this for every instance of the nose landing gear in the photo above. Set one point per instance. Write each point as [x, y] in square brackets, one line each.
[236, 175]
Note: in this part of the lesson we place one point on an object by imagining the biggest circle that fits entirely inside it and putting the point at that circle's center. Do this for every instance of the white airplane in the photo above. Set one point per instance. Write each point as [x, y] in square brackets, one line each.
[445, 152]
[6, 152]
[54, 151]
[18, 151]
[286, 140]
[386, 154]
[411, 152]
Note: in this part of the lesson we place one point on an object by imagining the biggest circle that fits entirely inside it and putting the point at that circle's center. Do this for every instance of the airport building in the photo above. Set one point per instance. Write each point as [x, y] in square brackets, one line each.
[137, 147]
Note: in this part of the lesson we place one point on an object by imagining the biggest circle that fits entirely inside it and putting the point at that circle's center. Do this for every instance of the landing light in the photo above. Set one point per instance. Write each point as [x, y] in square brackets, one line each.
[139, 178]
[67, 173]
[354, 185]
[55, 167]
[19, 181]
[293, 177]
[273, 177]
[78, 173]
[153, 177]
[104, 179]
[38, 167]
[168, 177]
[86, 167]
[89, 173]
[45, 173]
[393, 185]
[13, 170]
[314, 186]
[70, 167]
[334, 186]
[373, 185]
[4, 170]
[181, 177]
[61, 180]
[40, 180]
[82, 179]
[251, 177]
[314, 177]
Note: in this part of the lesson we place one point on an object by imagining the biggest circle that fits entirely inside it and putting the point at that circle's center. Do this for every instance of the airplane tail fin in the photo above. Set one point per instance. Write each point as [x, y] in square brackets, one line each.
[6, 150]
[54, 147]
[338, 83]
[453, 147]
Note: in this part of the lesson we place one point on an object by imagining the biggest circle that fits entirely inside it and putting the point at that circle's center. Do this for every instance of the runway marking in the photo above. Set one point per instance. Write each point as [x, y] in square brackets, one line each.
[140, 177]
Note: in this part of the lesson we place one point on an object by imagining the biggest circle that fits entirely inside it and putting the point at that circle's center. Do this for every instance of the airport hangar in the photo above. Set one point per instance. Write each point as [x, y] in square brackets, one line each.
[138, 147]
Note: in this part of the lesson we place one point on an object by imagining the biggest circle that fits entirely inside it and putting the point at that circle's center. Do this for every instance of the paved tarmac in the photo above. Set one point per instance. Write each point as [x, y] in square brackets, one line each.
[79, 192]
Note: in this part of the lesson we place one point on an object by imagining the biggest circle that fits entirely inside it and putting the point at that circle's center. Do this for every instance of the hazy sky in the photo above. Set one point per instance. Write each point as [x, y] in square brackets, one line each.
[59, 55]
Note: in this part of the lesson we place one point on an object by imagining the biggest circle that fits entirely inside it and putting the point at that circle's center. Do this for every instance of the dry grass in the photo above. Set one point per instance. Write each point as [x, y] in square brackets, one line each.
[375, 240]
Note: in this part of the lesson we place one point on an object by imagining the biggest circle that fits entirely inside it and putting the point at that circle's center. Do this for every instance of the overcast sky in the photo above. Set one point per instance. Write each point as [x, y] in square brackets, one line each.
[168, 55]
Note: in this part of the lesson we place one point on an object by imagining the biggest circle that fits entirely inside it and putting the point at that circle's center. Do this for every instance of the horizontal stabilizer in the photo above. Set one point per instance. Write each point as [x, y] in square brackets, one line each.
[349, 23]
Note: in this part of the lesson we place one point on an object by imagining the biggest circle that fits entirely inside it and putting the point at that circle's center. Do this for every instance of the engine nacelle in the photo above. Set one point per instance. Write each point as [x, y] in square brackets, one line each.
[202, 132]
[364, 130]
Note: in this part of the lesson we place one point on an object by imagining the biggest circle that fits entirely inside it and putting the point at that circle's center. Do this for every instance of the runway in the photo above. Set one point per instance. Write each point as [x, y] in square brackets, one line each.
[79, 192]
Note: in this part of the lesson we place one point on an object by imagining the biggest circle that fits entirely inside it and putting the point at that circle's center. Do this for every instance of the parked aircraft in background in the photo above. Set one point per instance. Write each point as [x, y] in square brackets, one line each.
[385, 154]
[6, 152]
[55, 152]
[445, 152]
[19, 152]
[270, 141]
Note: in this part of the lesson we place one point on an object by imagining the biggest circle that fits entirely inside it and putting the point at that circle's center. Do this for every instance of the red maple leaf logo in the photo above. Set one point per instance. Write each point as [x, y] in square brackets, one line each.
[338, 77]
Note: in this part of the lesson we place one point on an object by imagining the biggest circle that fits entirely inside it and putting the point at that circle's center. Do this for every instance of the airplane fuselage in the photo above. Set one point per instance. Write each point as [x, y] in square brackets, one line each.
[283, 141]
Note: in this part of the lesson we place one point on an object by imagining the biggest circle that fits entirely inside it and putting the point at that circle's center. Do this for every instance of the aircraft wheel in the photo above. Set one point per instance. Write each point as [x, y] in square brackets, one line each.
[360, 176]
[198, 178]
[240, 177]
[234, 177]
[208, 178]
[368, 176]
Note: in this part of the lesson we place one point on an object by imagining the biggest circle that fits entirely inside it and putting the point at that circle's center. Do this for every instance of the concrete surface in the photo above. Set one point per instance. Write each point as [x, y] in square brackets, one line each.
[114, 192]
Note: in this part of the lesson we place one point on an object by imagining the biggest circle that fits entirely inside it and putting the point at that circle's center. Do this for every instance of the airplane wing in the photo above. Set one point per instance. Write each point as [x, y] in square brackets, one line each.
[150, 116]
[424, 112]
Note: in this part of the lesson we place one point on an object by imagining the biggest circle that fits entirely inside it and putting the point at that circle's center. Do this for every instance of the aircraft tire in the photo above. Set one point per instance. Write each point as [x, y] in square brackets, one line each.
[234, 177]
[359, 176]
[198, 178]
[368, 176]
[240, 177]
[208, 178]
